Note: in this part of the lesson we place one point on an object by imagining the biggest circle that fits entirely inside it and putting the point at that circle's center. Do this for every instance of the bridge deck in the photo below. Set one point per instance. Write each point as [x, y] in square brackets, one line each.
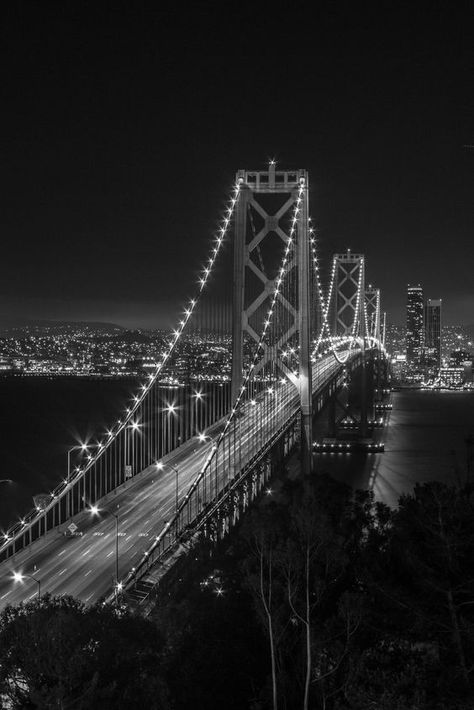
[84, 566]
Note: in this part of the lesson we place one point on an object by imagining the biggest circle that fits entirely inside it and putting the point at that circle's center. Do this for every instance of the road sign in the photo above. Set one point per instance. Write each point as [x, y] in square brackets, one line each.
[72, 528]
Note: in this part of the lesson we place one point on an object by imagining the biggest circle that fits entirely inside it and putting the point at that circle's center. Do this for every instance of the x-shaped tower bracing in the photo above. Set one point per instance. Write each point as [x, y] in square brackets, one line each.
[248, 259]
[372, 313]
[348, 309]
[273, 205]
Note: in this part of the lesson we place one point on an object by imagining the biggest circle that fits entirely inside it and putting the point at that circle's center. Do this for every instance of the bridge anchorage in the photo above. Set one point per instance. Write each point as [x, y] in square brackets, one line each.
[253, 361]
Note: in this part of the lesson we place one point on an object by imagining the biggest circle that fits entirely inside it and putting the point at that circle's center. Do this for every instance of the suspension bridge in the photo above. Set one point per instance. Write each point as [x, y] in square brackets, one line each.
[262, 346]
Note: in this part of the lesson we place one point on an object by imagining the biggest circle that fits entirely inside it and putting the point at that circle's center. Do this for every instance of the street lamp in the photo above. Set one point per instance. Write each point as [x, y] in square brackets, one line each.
[19, 577]
[161, 466]
[84, 448]
[202, 439]
[129, 445]
[195, 420]
[80, 447]
[94, 510]
[205, 437]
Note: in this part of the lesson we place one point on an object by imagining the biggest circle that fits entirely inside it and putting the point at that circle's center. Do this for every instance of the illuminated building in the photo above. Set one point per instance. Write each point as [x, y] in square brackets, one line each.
[433, 332]
[452, 376]
[415, 338]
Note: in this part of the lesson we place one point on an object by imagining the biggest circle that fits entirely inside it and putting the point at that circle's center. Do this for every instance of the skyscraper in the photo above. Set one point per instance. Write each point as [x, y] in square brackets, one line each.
[414, 324]
[433, 332]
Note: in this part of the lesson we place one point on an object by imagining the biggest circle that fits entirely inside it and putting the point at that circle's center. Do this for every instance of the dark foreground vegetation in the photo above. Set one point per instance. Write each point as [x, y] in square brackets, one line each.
[321, 599]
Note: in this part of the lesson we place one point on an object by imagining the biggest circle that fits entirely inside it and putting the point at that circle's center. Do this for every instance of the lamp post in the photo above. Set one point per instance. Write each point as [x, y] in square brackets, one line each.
[170, 431]
[198, 396]
[83, 448]
[202, 438]
[80, 447]
[94, 510]
[19, 577]
[161, 466]
[130, 448]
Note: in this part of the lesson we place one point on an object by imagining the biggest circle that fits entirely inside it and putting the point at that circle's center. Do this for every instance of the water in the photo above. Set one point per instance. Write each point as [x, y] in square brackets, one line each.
[40, 419]
[425, 440]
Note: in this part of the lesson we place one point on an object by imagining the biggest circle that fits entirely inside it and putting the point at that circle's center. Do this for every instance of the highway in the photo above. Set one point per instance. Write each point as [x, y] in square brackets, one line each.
[84, 566]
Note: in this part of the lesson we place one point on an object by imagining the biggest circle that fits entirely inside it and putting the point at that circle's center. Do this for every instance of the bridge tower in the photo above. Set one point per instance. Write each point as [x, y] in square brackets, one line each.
[264, 211]
[372, 309]
[349, 312]
[372, 322]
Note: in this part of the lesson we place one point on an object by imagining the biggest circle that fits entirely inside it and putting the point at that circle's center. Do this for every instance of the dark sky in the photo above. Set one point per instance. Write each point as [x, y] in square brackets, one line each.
[123, 125]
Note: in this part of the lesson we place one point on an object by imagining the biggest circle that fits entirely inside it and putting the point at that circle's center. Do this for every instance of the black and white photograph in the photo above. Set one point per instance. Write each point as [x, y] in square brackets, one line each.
[236, 355]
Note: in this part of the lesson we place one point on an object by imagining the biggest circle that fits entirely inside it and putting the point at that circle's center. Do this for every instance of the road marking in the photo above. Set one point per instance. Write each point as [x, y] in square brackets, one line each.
[61, 553]
[87, 573]
[110, 553]
[6, 594]
[98, 533]
[86, 552]
[142, 534]
[62, 571]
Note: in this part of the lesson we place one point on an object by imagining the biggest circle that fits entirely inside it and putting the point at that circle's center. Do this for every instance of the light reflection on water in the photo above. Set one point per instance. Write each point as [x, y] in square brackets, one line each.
[424, 441]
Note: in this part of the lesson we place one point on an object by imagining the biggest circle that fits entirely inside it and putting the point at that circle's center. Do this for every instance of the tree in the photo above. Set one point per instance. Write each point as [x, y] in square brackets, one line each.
[56, 653]
[301, 571]
[418, 646]
[261, 533]
[433, 546]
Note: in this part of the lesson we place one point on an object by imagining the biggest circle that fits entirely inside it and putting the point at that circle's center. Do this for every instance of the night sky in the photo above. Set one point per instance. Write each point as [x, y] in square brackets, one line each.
[123, 124]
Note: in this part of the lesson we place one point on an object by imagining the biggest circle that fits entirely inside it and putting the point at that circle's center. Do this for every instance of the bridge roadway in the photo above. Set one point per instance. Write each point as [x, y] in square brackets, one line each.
[84, 566]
